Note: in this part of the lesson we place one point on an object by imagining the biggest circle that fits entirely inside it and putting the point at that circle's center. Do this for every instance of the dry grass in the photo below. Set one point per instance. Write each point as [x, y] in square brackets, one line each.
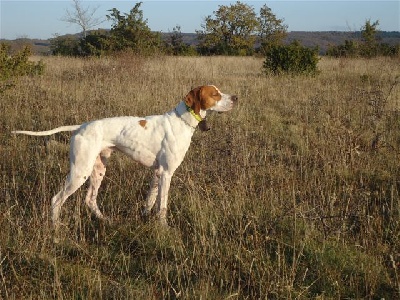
[293, 195]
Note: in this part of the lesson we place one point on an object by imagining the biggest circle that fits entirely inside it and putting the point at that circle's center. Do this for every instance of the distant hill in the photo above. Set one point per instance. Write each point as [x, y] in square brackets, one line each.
[322, 39]
[39, 47]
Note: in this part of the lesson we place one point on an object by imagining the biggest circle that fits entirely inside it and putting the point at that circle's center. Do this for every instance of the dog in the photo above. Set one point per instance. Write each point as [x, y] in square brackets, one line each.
[159, 142]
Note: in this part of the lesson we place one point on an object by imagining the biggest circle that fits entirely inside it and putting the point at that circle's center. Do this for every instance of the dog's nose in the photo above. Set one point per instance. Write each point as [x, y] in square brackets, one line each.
[234, 98]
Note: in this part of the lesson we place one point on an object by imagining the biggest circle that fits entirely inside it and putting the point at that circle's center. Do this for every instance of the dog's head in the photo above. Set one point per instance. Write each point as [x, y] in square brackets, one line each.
[208, 98]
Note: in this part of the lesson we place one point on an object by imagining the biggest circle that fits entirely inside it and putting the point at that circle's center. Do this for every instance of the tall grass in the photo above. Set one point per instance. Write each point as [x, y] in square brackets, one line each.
[292, 195]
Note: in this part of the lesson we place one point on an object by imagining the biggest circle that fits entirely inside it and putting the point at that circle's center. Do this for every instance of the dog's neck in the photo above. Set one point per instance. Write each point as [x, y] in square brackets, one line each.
[187, 115]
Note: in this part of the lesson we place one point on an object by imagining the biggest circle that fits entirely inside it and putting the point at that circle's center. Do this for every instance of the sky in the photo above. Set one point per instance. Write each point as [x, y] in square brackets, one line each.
[43, 19]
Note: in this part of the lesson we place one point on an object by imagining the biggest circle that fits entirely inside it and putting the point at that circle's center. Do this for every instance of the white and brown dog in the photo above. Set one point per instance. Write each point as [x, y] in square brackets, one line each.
[159, 142]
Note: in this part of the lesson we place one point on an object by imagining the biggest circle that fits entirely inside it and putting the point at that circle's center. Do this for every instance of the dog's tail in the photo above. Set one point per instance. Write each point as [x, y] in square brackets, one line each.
[48, 132]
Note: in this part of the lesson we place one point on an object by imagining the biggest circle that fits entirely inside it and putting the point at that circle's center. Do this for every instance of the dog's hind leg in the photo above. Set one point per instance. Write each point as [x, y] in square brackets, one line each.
[71, 185]
[83, 155]
[99, 170]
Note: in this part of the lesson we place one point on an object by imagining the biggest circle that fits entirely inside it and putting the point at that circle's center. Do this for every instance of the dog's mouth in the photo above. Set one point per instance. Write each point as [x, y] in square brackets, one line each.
[226, 106]
[203, 126]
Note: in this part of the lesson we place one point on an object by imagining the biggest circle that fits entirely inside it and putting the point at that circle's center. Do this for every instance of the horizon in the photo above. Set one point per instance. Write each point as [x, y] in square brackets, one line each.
[194, 33]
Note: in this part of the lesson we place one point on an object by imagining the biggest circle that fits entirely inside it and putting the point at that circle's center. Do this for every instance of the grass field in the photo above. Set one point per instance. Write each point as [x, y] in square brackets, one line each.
[295, 194]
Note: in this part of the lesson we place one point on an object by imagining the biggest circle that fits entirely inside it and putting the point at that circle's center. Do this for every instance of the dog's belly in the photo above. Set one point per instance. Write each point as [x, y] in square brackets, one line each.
[139, 154]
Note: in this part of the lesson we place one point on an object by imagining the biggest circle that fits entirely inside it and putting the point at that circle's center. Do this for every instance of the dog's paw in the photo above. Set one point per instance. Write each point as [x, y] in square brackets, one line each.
[105, 221]
[145, 215]
[163, 222]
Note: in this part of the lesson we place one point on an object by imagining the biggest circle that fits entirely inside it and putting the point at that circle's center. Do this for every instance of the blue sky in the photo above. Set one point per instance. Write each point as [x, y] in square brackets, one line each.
[42, 19]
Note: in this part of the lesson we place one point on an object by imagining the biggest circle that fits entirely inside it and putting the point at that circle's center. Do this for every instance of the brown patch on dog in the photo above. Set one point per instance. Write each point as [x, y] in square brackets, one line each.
[193, 100]
[202, 97]
[209, 95]
[143, 123]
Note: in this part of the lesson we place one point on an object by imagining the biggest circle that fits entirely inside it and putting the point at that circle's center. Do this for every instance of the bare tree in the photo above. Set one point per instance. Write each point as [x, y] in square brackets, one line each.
[83, 17]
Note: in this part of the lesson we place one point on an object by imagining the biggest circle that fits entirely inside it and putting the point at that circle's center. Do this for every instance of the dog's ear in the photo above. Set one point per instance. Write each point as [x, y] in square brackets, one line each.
[203, 126]
[193, 100]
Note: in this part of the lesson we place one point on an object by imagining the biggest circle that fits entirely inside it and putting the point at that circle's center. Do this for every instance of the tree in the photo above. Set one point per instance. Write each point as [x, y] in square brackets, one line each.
[175, 44]
[83, 17]
[368, 31]
[368, 37]
[130, 31]
[231, 31]
[271, 31]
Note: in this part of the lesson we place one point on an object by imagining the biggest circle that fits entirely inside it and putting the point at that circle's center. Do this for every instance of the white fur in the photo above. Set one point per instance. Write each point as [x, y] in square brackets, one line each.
[159, 142]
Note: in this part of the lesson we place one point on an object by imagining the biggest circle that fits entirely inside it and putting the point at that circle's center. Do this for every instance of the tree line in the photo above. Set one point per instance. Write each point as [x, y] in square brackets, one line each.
[235, 29]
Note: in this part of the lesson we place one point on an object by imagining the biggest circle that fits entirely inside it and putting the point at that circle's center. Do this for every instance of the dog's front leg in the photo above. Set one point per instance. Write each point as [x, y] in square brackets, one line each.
[151, 195]
[162, 199]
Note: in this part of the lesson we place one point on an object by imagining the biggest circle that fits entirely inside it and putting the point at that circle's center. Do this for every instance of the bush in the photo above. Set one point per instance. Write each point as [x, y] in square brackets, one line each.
[292, 59]
[131, 32]
[65, 45]
[368, 47]
[17, 64]
[350, 48]
[95, 44]
[356, 49]
[175, 45]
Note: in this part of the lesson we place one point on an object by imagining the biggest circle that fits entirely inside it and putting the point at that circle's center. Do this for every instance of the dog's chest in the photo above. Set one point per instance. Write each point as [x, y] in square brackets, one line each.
[153, 139]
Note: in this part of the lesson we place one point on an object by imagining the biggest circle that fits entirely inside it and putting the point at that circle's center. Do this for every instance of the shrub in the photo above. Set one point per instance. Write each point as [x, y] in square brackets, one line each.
[17, 64]
[368, 47]
[350, 48]
[292, 59]
[175, 45]
[96, 43]
[65, 45]
[131, 32]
